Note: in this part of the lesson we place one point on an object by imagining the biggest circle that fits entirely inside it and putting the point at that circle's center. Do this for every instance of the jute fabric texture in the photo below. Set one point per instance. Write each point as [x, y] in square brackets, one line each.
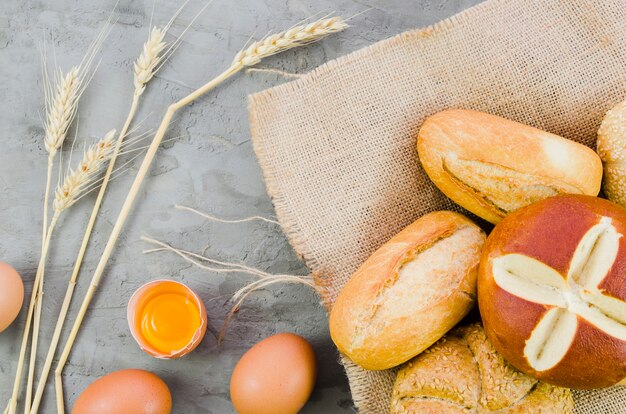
[338, 146]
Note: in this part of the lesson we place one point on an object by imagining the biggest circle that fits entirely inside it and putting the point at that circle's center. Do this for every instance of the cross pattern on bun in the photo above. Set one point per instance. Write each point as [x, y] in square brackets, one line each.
[463, 374]
[552, 291]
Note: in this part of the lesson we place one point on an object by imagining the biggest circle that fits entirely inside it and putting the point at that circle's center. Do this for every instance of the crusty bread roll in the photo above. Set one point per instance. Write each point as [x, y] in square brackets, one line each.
[492, 166]
[611, 147]
[410, 292]
[552, 291]
[463, 374]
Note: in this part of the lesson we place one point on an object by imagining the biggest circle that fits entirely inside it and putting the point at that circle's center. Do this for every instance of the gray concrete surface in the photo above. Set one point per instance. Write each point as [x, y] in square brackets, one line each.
[211, 166]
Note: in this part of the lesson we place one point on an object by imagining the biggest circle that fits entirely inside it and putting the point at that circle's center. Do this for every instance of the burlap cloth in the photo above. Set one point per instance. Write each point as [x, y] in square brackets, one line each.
[337, 146]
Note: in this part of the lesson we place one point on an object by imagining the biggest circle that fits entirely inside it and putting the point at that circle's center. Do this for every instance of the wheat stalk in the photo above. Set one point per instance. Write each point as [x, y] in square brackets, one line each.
[155, 50]
[298, 36]
[154, 54]
[66, 195]
[81, 177]
[61, 103]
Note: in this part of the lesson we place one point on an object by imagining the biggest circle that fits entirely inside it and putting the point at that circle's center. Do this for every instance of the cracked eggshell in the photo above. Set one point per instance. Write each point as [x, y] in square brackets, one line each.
[11, 295]
[129, 391]
[139, 300]
[579, 352]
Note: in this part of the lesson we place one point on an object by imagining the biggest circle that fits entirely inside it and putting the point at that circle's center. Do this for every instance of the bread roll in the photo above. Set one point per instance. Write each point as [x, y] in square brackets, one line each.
[612, 150]
[410, 292]
[552, 291]
[463, 374]
[492, 166]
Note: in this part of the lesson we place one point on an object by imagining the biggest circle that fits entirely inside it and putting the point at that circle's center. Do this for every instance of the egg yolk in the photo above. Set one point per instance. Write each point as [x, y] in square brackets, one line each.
[169, 321]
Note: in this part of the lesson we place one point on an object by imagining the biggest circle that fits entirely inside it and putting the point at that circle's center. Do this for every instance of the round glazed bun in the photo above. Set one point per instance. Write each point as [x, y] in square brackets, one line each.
[552, 291]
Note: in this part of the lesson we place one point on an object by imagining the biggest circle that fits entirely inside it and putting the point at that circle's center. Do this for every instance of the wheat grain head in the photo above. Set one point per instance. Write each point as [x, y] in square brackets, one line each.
[297, 36]
[61, 109]
[146, 64]
[77, 180]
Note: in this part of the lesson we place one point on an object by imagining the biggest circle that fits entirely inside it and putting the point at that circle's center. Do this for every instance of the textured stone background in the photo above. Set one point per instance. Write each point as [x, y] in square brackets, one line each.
[210, 166]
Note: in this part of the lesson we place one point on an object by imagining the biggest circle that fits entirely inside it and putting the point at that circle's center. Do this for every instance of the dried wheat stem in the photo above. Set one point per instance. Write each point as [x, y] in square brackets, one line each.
[74, 185]
[65, 196]
[275, 72]
[265, 279]
[12, 408]
[221, 220]
[271, 45]
[188, 256]
[242, 294]
[61, 106]
[60, 112]
[144, 69]
[46, 198]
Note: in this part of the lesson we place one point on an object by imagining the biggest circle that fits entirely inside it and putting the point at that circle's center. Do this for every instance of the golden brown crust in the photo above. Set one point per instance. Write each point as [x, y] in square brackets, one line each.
[550, 232]
[462, 373]
[377, 323]
[611, 146]
[491, 166]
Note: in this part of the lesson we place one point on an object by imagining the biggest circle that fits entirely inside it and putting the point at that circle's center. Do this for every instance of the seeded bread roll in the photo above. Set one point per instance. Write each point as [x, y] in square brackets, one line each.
[492, 166]
[410, 292]
[463, 374]
[612, 150]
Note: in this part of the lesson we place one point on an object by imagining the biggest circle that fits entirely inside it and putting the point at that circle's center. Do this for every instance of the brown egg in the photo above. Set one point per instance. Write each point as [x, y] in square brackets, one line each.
[11, 295]
[130, 391]
[275, 376]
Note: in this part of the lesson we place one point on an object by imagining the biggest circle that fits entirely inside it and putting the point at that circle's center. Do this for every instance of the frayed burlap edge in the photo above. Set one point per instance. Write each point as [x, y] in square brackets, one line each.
[288, 219]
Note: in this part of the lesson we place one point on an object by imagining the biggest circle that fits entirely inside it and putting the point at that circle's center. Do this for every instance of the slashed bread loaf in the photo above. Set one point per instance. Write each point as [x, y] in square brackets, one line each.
[463, 374]
[492, 166]
[410, 292]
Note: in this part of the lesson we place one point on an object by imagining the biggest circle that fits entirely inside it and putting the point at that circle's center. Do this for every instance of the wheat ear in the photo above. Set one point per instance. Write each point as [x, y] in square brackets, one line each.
[94, 158]
[61, 105]
[76, 180]
[297, 36]
[61, 108]
[145, 67]
[149, 59]
[290, 39]
[155, 52]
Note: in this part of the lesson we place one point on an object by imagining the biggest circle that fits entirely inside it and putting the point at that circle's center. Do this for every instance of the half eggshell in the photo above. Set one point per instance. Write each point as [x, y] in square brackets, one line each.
[148, 292]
